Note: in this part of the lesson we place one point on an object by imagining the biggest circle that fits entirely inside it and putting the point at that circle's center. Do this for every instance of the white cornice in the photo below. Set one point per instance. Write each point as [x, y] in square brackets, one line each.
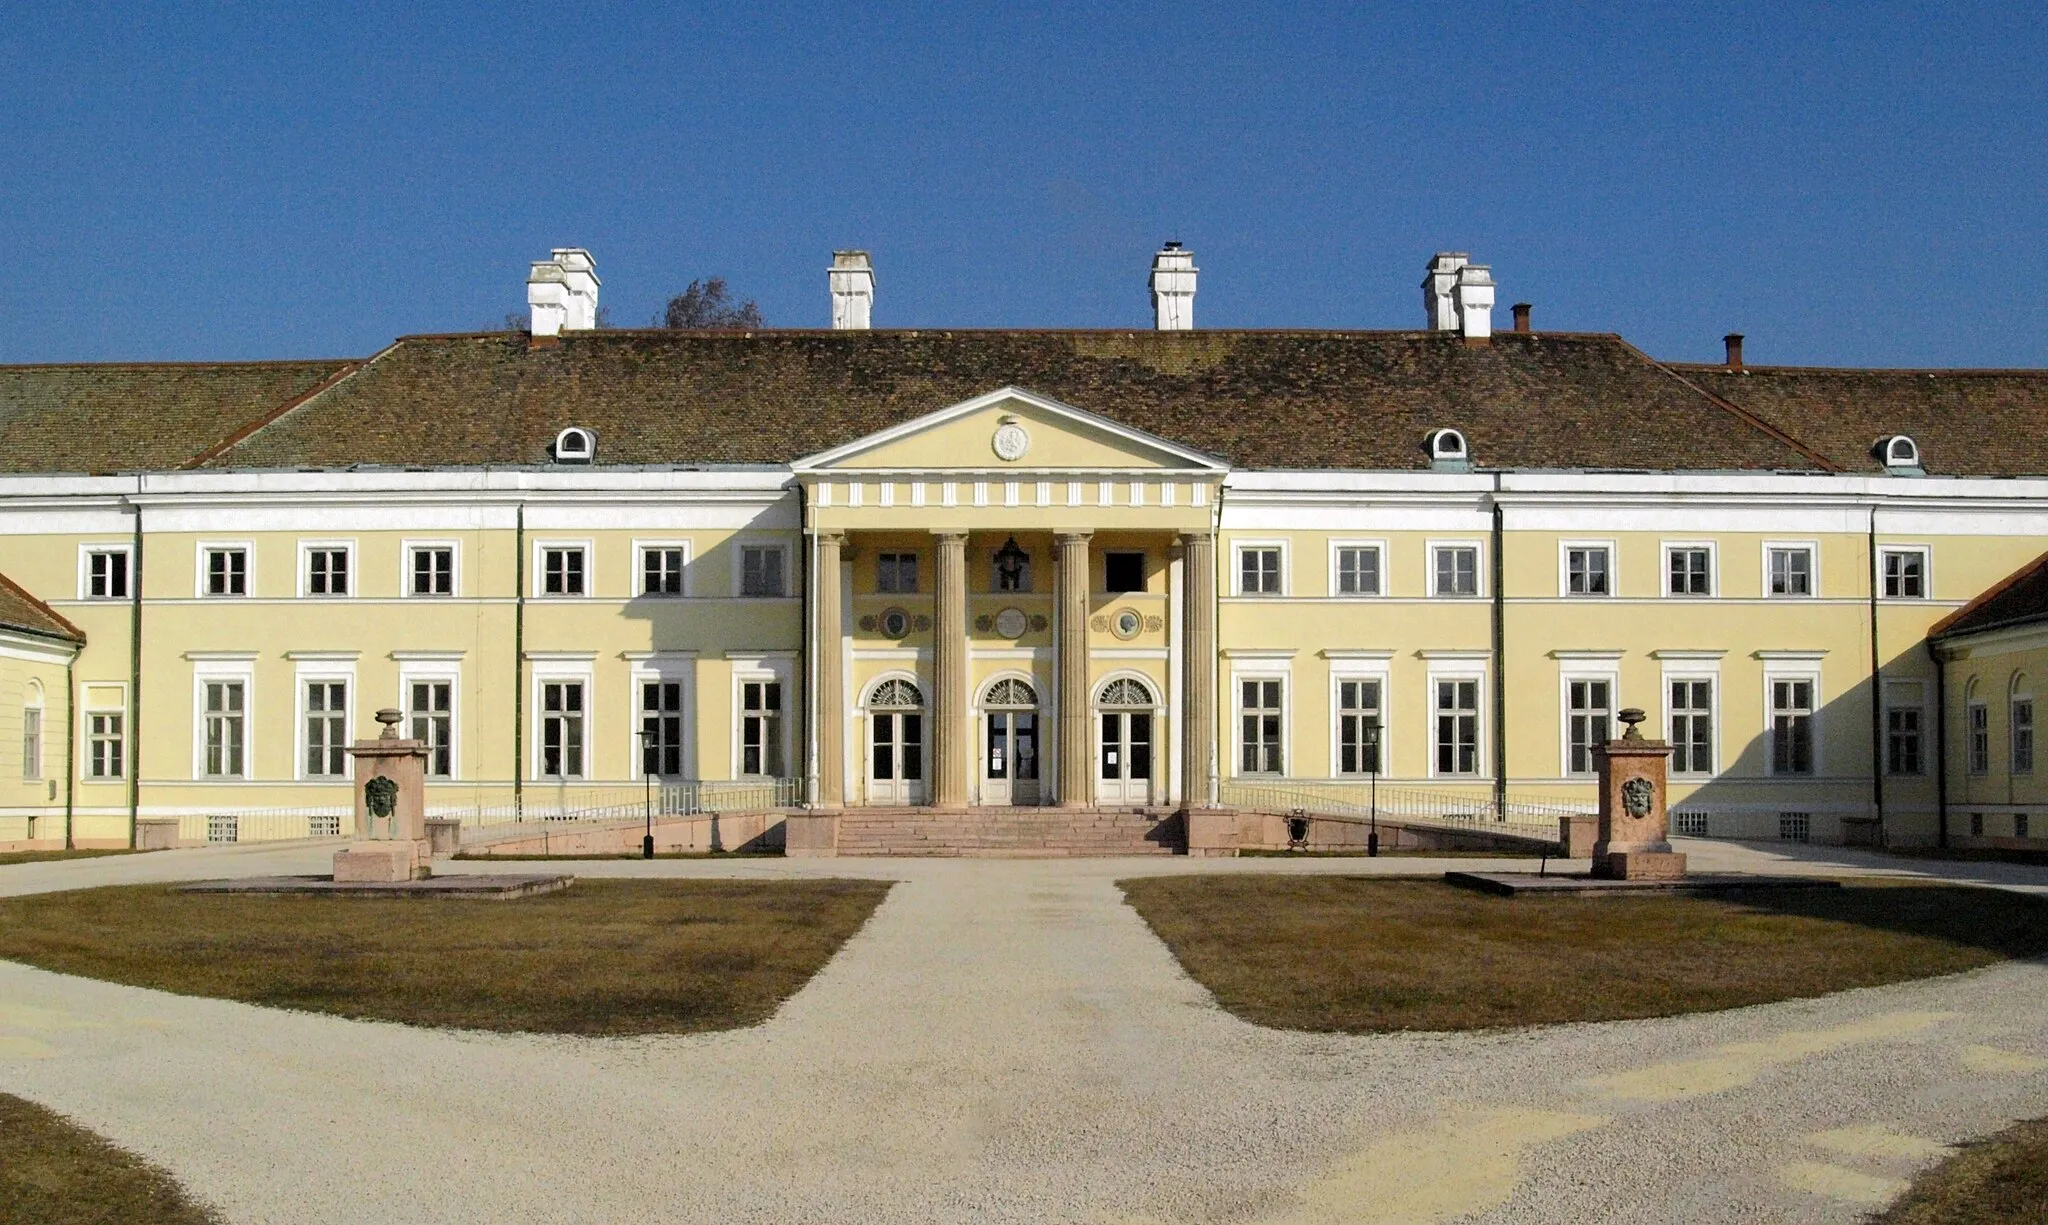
[1590, 654]
[439, 657]
[1715, 653]
[1355, 653]
[1194, 460]
[1807, 655]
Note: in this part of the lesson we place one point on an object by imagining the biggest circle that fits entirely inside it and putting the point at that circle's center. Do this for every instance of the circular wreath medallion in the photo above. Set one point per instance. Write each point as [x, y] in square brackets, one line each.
[1126, 623]
[1011, 622]
[1010, 441]
[895, 623]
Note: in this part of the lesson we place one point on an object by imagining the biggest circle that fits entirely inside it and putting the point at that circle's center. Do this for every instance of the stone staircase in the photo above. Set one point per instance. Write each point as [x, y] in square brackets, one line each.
[1010, 832]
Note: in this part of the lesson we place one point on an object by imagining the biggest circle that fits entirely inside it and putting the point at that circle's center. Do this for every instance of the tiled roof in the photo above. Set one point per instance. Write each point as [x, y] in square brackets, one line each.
[149, 417]
[1966, 422]
[21, 611]
[1257, 399]
[2021, 598]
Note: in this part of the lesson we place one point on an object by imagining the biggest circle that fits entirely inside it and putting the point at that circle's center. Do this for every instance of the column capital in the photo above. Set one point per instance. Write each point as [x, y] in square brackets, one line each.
[949, 534]
[829, 535]
[1195, 537]
[1082, 536]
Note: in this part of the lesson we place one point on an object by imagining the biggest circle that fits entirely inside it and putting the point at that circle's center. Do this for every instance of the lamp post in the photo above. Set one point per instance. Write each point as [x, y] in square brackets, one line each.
[647, 777]
[1372, 751]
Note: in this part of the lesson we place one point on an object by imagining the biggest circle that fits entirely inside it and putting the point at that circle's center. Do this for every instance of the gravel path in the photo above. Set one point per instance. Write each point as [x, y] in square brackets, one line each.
[1005, 1041]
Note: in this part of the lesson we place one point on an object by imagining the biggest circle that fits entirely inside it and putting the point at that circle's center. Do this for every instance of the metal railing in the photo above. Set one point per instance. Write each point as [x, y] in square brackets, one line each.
[674, 798]
[1348, 801]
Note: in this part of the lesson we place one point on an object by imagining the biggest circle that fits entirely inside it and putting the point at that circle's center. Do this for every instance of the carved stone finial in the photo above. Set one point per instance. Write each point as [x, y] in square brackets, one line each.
[1630, 717]
[389, 717]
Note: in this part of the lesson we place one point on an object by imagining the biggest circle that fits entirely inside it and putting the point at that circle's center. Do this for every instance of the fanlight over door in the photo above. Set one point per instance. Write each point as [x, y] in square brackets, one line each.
[1009, 758]
[895, 743]
[1123, 745]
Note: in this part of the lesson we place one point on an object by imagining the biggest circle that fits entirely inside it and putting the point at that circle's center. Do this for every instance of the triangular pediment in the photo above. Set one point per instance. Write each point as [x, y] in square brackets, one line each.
[1010, 428]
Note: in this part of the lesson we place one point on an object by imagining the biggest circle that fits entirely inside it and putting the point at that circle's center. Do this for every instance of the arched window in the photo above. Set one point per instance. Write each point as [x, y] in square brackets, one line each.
[32, 732]
[2021, 724]
[1124, 691]
[895, 694]
[1976, 728]
[1012, 693]
[1446, 444]
[575, 445]
[1899, 451]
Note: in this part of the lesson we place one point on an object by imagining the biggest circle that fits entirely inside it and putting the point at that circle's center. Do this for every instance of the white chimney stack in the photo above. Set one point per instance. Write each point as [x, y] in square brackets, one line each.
[852, 278]
[1173, 288]
[562, 292]
[1457, 295]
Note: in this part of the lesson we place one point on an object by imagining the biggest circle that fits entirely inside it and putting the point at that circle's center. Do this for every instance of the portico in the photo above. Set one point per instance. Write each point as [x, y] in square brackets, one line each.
[1012, 605]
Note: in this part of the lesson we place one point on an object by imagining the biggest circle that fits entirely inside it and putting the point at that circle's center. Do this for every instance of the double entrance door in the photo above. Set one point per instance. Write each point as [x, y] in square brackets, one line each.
[1009, 759]
[895, 757]
[1123, 757]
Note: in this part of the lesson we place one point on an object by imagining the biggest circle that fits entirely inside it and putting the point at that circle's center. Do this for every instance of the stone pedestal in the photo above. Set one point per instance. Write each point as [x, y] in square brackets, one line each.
[156, 833]
[1576, 835]
[391, 809]
[810, 835]
[444, 835]
[1633, 841]
[1212, 832]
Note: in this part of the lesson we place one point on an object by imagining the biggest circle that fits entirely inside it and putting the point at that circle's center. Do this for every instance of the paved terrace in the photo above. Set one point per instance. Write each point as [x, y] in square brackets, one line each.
[1005, 1041]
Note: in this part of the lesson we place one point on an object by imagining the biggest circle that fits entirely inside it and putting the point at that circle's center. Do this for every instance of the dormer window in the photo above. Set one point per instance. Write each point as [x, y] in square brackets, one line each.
[575, 445]
[1899, 453]
[1447, 450]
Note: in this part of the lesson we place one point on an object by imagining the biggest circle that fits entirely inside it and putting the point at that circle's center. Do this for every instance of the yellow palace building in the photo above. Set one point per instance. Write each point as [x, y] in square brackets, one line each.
[1167, 569]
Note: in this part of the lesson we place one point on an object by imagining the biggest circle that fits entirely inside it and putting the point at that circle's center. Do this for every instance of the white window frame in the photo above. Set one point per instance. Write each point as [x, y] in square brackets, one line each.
[740, 545]
[1973, 701]
[87, 708]
[199, 552]
[1794, 672]
[1918, 688]
[1261, 671]
[1479, 587]
[1564, 569]
[662, 667]
[34, 753]
[779, 667]
[556, 671]
[306, 550]
[1483, 760]
[1602, 671]
[447, 672]
[1812, 548]
[1238, 548]
[407, 548]
[1378, 668]
[640, 550]
[1926, 553]
[310, 671]
[1693, 666]
[541, 549]
[85, 555]
[1665, 548]
[1337, 546]
[240, 668]
[2020, 689]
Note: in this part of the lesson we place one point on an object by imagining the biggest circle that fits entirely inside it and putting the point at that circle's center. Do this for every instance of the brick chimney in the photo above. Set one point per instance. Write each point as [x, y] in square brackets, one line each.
[1734, 342]
[1521, 316]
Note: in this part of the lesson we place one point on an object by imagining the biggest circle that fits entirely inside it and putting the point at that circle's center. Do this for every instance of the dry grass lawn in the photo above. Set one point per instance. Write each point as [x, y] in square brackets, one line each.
[1359, 955]
[601, 957]
[54, 1172]
[8, 857]
[2001, 1180]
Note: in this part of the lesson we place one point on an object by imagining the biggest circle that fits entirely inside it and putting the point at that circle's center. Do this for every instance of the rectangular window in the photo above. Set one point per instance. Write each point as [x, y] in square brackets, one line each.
[326, 729]
[1792, 726]
[1259, 716]
[1977, 720]
[761, 570]
[433, 571]
[1591, 718]
[1457, 570]
[327, 572]
[1791, 572]
[1258, 572]
[2023, 735]
[106, 574]
[661, 728]
[226, 730]
[1691, 571]
[661, 572]
[1689, 824]
[1457, 726]
[32, 742]
[1976, 825]
[1358, 727]
[761, 728]
[1692, 727]
[1795, 826]
[106, 748]
[227, 572]
[432, 710]
[896, 573]
[1123, 572]
[1586, 572]
[1902, 740]
[561, 729]
[562, 571]
[1905, 574]
[2019, 825]
[1358, 571]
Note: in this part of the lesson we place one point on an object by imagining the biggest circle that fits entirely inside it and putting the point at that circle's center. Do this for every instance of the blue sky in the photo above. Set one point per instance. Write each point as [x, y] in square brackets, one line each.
[1853, 184]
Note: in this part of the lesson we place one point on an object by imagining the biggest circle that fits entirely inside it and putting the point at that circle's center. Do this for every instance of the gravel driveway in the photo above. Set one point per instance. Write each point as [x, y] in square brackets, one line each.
[1005, 1041]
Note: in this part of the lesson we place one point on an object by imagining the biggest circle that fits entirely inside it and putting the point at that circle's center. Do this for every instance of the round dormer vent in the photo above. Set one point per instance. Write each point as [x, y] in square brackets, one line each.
[1446, 445]
[1899, 451]
[575, 445]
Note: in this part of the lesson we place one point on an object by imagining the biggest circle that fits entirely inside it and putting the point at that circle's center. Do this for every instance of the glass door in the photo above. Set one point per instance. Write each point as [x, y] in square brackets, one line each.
[1123, 757]
[1009, 764]
[895, 757]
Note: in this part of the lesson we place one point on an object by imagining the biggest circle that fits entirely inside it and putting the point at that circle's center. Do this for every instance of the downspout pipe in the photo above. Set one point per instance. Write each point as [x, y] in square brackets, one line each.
[519, 662]
[70, 744]
[134, 747]
[1877, 763]
[1500, 638]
